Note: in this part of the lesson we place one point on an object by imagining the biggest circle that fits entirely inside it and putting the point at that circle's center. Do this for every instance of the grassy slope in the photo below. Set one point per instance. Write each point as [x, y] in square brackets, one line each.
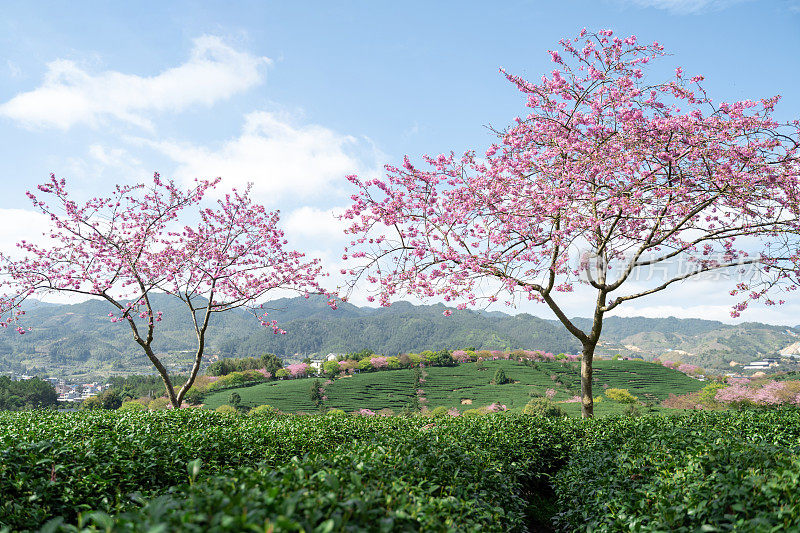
[453, 386]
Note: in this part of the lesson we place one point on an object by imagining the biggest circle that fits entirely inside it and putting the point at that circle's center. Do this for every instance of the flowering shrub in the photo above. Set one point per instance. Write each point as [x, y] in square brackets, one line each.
[770, 393]
[298, 369]
[365, 412]
[690, 369]
[348, 365]
[379, 363]
[461, 356]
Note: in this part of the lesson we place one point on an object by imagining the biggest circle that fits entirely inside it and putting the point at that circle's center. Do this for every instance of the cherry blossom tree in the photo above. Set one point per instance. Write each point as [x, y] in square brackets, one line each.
[157, 238]
[609, 179]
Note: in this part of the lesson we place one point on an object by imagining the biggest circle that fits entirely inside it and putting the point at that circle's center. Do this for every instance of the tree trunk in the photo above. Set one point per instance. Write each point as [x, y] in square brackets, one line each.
[587, 401]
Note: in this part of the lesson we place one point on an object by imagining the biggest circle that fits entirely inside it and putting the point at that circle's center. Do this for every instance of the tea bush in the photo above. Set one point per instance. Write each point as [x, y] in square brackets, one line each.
[65, 464]
[127, 471]
[704, 471]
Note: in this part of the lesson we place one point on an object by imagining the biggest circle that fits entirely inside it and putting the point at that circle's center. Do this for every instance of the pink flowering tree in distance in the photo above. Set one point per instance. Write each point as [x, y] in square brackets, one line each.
[157, 238]
[609, 176]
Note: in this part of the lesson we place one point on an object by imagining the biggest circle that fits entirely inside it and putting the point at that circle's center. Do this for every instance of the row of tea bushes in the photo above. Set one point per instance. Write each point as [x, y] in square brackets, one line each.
[701, 471]
[708, 471]
[56, 464]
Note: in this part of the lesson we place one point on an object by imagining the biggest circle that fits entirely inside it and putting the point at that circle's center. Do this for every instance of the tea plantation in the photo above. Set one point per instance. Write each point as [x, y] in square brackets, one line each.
[196, 470]
[466, 386]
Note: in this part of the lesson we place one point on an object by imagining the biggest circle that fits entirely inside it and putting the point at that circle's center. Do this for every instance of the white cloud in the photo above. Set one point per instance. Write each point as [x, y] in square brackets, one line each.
[70, 95]
[313, 223]
[116, 157]
[102, 164]
[687, 7]
[282, 160]
[21, 224]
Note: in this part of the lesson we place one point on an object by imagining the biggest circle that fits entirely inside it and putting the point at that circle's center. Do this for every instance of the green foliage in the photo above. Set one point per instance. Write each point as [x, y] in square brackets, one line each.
[132, 405]
[315, 393]
[707, 394]
[439, 358]
[237, 379]
[263, 410]
[282, 373]
[705, 471]
[469, 474]
[140, 386]
[26, 394]
[357, 356]
[227, 409]
[500, 377]
[449, 386]
[224, 367]
[543, 407]
[158, 404]
[91, 403]
[330, 368]
[271, 363]
[620, 395]
[439, 411]
[234, 400]
[193, 396]
[109, 399]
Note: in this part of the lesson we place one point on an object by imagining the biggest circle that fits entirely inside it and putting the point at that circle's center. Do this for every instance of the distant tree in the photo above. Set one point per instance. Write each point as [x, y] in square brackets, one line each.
[26, 394]
[90, 403]
[109, 399]
[620, 395]
[543, 407]
[316, 393]
[193, 396]
[235, 399]
[500, 377]
[271, 362]
[330, 368]
[223, 367]
[127, 246]
[624, 185]
[440, 358]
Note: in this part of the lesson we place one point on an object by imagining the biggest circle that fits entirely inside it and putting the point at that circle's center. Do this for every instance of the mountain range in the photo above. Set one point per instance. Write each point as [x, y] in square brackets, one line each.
[80, 339]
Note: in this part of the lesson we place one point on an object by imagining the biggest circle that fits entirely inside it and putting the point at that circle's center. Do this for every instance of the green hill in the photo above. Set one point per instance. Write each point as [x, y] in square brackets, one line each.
[79, 339]
[466, 386]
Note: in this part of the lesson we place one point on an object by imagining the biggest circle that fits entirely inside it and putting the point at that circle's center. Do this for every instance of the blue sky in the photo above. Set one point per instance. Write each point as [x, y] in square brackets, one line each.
[295, 95]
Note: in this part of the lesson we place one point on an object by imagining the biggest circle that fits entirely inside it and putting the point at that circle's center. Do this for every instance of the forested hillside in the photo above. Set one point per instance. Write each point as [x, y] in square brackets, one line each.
[77, 339]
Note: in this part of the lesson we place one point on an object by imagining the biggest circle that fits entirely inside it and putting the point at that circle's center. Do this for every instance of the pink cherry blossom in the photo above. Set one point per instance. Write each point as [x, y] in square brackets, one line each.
[158, 238]
[609, 175]
[298, 369]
